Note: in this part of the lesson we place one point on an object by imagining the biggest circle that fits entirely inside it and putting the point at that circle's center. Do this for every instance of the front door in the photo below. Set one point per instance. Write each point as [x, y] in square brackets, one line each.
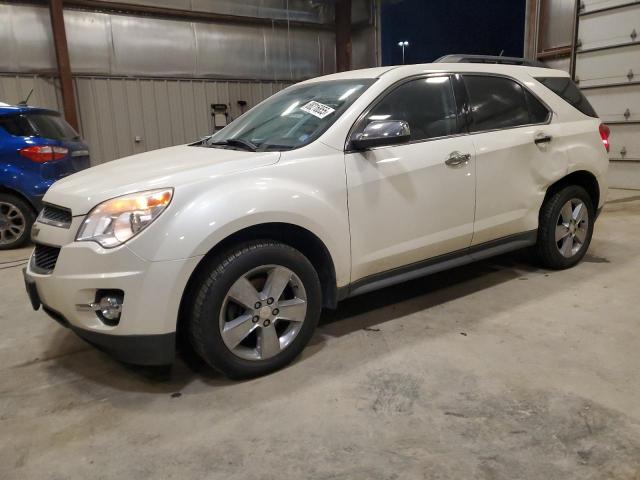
[412, 201]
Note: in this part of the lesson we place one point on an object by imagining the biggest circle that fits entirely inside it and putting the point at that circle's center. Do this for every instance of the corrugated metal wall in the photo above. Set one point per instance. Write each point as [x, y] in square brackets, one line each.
[144, 83]
[15, 88]
[125, 45]
[123, 116]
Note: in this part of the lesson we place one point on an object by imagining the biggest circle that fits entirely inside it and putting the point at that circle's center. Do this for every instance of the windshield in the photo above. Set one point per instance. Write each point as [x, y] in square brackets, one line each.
[292, 118]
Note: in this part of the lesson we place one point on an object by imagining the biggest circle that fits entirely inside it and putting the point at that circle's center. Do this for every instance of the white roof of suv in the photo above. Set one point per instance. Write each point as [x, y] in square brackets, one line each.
[410, 70]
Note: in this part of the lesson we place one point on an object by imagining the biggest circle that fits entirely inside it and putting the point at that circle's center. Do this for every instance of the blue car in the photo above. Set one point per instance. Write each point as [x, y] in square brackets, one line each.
[37, 147]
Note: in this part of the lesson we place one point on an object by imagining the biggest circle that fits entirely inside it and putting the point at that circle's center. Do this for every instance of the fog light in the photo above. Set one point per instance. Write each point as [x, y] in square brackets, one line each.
[108, 306]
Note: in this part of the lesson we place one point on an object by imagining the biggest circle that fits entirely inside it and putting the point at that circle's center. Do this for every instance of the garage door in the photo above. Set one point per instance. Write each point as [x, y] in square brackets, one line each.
[607, 68]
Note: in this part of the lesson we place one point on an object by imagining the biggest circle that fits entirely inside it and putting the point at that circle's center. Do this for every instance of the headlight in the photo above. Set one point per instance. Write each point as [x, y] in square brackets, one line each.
[115, 221]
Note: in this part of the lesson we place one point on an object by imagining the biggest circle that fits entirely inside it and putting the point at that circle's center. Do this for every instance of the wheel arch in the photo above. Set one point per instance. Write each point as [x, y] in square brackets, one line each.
[16, 193]
[303, 240]
[582, 178]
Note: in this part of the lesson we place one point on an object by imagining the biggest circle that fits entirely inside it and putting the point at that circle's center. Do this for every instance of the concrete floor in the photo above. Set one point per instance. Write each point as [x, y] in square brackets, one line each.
[493, 371]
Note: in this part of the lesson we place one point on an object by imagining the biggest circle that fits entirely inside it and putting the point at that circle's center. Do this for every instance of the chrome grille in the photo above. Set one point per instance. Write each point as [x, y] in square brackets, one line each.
[56, 216]
[45, 258]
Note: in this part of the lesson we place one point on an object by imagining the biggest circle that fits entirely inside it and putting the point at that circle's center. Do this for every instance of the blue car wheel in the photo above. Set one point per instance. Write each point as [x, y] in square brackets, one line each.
[16, 219]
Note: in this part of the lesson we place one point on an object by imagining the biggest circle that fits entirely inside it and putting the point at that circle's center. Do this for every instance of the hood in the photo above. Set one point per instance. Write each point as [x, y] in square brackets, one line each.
[168, 167]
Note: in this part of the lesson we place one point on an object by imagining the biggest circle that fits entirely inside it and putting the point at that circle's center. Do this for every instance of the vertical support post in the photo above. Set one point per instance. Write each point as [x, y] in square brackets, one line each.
[378, 31]
[531, 22]
[64, 65]
[574, 39]
[343, 35]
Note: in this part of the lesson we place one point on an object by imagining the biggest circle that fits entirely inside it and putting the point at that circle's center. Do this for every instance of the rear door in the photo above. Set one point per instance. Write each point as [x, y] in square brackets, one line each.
[517, 147]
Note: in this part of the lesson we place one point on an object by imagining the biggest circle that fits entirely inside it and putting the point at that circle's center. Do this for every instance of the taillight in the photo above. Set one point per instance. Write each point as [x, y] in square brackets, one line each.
[605, 132]
[44, 153]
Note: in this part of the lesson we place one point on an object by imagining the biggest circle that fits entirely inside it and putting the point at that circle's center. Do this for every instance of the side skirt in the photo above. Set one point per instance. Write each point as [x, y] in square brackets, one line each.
[439, 263]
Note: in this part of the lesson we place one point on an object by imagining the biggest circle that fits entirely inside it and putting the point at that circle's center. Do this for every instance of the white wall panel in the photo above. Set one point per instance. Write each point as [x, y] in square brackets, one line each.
[610, 27]
[612, 103]
[625, 142]
[594, 5]
[606, 67]
[608, 55]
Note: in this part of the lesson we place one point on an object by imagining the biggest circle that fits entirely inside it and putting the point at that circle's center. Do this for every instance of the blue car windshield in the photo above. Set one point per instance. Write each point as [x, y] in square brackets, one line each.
[292, 118]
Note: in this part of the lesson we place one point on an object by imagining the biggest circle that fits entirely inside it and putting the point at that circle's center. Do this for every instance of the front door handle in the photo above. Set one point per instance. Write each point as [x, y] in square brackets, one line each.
[542, 138]
[457, 159]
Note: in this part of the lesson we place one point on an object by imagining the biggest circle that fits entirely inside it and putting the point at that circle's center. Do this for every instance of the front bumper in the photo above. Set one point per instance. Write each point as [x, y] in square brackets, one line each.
[145, 333]
[135, 349]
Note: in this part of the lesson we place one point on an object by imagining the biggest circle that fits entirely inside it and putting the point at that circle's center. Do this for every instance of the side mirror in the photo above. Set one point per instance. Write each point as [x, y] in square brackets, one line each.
[380, 133]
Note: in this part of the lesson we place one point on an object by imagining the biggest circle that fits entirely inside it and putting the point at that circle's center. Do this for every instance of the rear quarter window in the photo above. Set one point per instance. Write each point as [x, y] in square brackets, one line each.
[569, 92]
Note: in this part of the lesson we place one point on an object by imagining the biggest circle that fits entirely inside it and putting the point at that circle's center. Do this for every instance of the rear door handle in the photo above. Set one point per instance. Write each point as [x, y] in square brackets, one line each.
[457, 159]
[542, 138]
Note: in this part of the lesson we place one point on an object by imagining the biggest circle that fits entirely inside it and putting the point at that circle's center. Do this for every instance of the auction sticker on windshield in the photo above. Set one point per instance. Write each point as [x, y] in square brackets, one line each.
[317, 109]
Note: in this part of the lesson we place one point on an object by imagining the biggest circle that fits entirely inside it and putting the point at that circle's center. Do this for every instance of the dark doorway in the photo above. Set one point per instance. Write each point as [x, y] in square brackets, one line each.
[439, 27]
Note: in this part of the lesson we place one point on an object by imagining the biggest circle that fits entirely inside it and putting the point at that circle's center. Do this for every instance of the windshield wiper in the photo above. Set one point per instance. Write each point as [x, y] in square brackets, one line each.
[237, 142]
[272, 146]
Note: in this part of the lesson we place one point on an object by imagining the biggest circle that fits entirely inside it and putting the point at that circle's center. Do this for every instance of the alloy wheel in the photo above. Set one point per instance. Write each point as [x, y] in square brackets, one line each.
[12, 223]
[263, 312]
[572, 227]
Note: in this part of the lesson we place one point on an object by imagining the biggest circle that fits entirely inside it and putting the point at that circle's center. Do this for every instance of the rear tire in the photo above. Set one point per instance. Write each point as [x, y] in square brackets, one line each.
[565, 228]
[253, 309]
[16, 219]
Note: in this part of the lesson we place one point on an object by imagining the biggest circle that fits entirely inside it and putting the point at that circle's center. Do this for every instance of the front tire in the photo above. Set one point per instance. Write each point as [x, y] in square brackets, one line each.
[16, 219]
[254, 309]
[565, 228]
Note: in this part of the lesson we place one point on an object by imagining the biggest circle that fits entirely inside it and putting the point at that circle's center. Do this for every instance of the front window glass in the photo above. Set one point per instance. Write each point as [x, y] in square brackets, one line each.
[426, 104]
[292, 118]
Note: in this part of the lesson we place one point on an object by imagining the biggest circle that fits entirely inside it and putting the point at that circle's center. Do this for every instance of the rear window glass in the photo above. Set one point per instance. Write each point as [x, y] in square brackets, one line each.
[16, 125]
[496, 102]
[569, 91]
[50, 125]
[41, 124]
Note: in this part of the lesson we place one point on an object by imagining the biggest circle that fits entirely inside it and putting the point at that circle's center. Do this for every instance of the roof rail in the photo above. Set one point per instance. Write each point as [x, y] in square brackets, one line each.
[490, 59]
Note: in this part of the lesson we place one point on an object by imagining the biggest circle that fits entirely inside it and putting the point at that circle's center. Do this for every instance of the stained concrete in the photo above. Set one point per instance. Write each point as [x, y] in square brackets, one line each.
[497, 370]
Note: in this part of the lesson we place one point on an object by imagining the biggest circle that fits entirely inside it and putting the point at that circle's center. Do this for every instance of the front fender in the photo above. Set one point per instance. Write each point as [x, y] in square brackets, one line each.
[203, 215]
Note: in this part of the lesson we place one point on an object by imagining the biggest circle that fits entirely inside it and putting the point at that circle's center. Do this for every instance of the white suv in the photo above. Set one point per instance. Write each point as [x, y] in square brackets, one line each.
[333, 187]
